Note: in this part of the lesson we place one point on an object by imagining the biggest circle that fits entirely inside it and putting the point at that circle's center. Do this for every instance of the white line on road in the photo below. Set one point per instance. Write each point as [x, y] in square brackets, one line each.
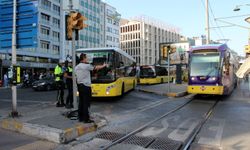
[25, 101]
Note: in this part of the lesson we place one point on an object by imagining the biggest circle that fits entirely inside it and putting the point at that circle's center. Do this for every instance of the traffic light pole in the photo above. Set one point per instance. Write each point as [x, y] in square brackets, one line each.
[14, 112]
[168, 49]
[73, 60]
[73, 72]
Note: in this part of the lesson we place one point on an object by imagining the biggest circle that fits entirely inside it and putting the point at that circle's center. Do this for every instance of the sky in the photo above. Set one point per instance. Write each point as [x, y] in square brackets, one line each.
[189, 16]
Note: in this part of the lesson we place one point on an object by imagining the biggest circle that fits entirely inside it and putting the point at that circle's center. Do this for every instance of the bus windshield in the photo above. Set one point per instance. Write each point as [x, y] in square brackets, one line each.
[104, 75]
[206, 64]
[147, 71]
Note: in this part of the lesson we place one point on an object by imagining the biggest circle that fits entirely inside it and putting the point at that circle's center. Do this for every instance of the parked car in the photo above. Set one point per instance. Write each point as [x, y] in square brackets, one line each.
[46, 84]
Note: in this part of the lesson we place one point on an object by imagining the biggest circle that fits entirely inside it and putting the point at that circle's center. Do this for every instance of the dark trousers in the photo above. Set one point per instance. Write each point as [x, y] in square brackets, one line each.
[84, 102]
[60, 92]
[69, 100]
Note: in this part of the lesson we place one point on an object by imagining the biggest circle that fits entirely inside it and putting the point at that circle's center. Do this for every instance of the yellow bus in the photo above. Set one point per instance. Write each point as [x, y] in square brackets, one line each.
[116, 79]
[150, 74]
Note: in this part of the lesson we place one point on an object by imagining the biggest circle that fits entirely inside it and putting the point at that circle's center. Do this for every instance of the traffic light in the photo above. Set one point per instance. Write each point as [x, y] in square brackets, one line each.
[164, 51]
[74, 21]
[14, 74]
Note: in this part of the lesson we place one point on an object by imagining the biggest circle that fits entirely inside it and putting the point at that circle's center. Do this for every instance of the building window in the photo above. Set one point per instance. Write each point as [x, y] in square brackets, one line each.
[44, 46]
[45, 17]
[109, 20]
[109, 38]
[109, 29]
[45, 31]
[56, 22]
[46, 4]
[56, 9]
[55, 49]
[56, 36]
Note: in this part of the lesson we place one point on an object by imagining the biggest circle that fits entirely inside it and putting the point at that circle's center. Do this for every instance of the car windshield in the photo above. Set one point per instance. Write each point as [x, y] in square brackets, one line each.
[204, 64]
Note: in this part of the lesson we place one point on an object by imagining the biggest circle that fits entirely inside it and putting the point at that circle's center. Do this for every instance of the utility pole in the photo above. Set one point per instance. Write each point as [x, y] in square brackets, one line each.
[168, 51]
[207, 22]
[14, 112]
[73, 60]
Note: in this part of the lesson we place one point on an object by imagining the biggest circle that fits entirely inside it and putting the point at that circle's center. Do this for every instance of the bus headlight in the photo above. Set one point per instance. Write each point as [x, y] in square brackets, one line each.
[109, 88]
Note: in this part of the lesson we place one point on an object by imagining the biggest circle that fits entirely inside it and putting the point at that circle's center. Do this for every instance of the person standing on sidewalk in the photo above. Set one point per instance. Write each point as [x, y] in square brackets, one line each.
[5, 80]
[83, 79]
[69, 83]
[59, 84]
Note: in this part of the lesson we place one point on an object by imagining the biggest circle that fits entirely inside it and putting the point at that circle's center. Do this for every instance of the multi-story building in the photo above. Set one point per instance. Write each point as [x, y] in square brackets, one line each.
[89, 36]
[38, 27]
[103, 26]
[140, 37]
[41, 37]
[110, 26]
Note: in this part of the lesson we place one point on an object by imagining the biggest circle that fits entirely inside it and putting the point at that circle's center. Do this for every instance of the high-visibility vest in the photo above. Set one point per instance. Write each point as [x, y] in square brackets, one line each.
[58, 73]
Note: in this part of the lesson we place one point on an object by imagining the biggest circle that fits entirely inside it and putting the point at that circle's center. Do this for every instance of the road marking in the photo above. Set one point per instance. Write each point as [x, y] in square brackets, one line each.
[146, 107]
[24, 101]
[216, 129]
[152, 131]
[41, 145]
[184, 130]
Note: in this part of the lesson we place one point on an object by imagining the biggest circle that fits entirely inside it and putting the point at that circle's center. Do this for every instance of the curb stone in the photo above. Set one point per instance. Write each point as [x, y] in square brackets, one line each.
[49, 133]
[179, 94]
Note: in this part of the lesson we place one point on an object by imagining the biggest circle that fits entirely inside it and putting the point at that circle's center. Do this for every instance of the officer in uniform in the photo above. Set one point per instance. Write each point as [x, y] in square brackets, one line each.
[58, 72]
[83, 77]
[69, 83]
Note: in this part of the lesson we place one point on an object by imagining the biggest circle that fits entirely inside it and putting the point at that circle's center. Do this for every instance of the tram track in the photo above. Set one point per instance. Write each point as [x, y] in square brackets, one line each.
[184, 145]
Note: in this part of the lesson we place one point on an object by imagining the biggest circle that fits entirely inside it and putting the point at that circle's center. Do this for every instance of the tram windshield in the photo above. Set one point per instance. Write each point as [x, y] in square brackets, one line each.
[107, 74]
[206, 64]
[147, 71]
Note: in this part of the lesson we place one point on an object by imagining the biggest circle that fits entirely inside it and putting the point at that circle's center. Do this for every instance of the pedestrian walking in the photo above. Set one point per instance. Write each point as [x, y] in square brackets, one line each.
[83, 77]
[5, 80]
[69, 83]
[59, 84]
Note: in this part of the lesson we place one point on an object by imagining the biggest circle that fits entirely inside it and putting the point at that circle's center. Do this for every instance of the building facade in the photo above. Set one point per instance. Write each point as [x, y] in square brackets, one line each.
[102, 30]
[38, 35]
[140, 37]
[110, 26]
[41, 40]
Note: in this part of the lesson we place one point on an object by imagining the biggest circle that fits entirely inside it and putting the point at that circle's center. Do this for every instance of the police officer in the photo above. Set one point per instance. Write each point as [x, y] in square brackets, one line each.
[69, 83]
[58, 72]
[83, 77]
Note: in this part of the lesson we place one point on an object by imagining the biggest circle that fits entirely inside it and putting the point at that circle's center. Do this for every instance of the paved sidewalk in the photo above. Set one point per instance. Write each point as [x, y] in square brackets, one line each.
[48, 122]
[176, 90]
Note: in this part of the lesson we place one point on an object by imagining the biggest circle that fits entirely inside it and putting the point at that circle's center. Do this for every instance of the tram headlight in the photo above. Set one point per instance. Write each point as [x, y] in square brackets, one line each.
[214, 78]
[192, 78]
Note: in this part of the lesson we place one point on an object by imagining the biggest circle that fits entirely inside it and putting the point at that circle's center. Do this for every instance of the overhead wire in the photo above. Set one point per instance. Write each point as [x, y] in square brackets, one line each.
[218, 27]
[220, 35]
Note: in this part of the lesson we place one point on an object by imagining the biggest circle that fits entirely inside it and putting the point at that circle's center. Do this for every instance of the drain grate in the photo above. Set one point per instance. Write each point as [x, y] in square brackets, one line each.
[165, 144]
[141, 141]
[112, 136]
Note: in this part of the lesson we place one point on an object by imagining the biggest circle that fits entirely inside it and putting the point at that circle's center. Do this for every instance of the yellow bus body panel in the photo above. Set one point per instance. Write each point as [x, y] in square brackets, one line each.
[156, 80]
[216, 90]
[113, 89]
